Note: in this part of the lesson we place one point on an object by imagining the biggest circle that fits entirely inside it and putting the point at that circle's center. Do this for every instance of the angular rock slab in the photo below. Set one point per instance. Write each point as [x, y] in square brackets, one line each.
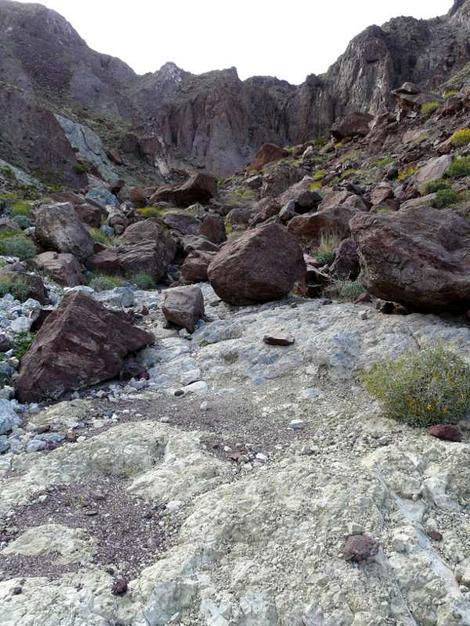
[418, 257]
[262, 265]
[59, 228]
[80, 344]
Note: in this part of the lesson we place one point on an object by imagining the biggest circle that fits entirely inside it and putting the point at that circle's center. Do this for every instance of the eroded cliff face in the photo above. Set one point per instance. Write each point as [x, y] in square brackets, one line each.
[213, 121]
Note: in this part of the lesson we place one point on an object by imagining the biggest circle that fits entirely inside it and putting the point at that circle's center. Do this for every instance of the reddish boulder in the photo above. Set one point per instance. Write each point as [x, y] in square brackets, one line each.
[31, 285]
[62, 267]
[360, 548]
[90, 214]
[329, 221]
[184, 307]
[346, 263]
[213, 227]
[447, 432]
[194, 268]
[352, 125]
[268, 153]
[419, 258]
[198, 188]
[262, 265]
[80, 344]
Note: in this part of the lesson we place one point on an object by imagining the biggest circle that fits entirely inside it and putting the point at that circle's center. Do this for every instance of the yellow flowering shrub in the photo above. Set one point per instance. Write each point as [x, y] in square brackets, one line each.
[426, 387]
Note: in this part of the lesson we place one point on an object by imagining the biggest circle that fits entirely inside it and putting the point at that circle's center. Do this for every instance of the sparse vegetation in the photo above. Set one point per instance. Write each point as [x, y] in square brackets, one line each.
[151, 211]
[80, 168]
[449, 93]
[21, 207]
[18, 245]
[406, 172]
[22, 221]
[428, 108]
[459, 167]
[143, 281]
[445, 198]
[18, 289]
[423, 388]
[104, 282]
[437, 185]
[100, 236]
[345, 290]
[382, 162]
[461, 137]
[22, 344]
[325, 251]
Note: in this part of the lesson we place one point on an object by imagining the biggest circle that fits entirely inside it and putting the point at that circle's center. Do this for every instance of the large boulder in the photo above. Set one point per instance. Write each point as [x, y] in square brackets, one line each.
[262, 265]
[333, 221]
[433, 169]
[59, 228]
[61, 267]
[418, 257]
[268, 153]
[182, 223]
[80, 344]
[213, 227]
[31, 285]
[198, 188]
[352, 125]
[183, 306]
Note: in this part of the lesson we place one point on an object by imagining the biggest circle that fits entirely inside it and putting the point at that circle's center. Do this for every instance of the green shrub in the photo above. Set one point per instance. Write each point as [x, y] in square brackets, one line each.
[406, 172]
[382, 162]
[445, 198]
[426, 387]
[428, 108]
[349, 290]
[19, 246]
[18, 289]
[104, 282]
[100, 237]
[459, 167]
[22, 221]
[143, 281]
[80, 168]
[151, 211]
[319, 175]
[461, 137]
[21, 207]
[437, 185]
[22, 344]
[325, 251]
[449, 93]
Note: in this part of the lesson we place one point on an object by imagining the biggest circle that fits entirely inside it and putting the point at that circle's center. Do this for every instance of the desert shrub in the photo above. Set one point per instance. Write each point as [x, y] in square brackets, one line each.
[143, 281]
[100, 237]
[445, 198]
[345, 290]
[426, 387]
[104, 282]
[325, 251]
[348, 173]
[406, 172]
[22, 344]
[459, 167]
[18, 289]
[21, 207]
[437, 185]
[382, 162]
[80, 168]
[428, 108]
[22, 221]
[449, 93]
[319, 175]
[151, 211]
[461, 137]
[17, 245]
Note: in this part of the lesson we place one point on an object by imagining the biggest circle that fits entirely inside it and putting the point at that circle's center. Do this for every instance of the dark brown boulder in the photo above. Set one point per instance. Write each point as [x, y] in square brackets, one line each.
[446, 432]
[194, 268]
[418, 257]
[80, 344]
[59, 228]
[184, 307]
[265, 209]
[262, 265]
[198, 188]
[62, 267]
[213, 227]
[90, 214]
[360, 548]
[268, 153]
[346, 263]
[333, 221]
[352, 125]
[183, 223]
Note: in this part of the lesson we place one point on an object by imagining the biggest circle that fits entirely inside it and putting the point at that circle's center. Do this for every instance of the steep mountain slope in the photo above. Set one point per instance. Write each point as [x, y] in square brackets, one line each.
[178, 120]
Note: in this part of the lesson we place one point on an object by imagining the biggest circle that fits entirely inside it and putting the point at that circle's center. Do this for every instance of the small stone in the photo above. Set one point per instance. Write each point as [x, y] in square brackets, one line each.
[297, 424]
[359, 548]
[16, 591]
[119, 587]
[261, 457]
[447, 432]
[363, 315]
[278, 339]
[435, 535]
[178, 393]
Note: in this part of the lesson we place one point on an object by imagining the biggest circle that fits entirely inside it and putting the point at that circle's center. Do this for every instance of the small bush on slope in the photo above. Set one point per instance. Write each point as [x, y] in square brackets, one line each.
[423, 388]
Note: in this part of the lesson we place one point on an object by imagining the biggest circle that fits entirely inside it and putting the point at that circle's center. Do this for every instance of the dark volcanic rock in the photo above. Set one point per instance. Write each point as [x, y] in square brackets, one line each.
[62, 267]
[268, 153]
[194, 268]
[352, 125]
[183, 306]
[33, 284]
[80, 344]
[262, 265]
[329, 221]
[360, 548]
[198, 188]
[419, 258]
[346, 263]
[447, 432]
